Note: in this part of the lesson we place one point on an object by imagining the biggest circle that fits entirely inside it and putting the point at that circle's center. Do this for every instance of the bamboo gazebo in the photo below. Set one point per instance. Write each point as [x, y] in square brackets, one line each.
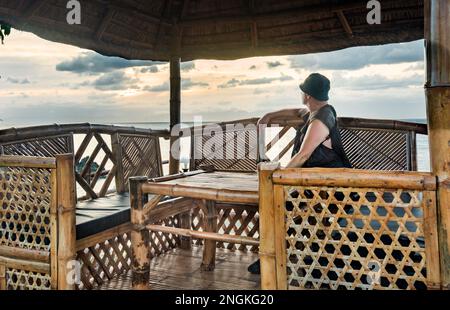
[311, 228]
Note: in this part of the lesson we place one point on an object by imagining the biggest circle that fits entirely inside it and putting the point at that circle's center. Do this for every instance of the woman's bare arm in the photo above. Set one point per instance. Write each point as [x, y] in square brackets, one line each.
[315, 135]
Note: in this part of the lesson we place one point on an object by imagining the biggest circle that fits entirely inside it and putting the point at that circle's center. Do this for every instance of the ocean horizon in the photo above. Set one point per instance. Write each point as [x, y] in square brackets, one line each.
[423, 158]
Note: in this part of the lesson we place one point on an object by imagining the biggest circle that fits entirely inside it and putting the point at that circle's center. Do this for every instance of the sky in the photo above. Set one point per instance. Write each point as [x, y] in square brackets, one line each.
[45, 82]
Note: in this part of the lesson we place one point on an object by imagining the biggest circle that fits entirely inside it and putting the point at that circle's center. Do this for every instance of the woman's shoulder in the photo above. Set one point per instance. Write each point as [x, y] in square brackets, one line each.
[326, 115]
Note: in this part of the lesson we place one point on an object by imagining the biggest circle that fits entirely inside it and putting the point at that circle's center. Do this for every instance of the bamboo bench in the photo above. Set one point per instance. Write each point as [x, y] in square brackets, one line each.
[102, 213]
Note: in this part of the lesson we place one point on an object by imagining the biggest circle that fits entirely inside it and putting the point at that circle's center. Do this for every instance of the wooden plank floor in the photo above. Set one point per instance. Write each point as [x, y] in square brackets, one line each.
[180, 270]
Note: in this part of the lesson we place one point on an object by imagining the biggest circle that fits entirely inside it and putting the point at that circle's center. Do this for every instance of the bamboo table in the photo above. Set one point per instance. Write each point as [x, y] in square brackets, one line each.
[206, 188]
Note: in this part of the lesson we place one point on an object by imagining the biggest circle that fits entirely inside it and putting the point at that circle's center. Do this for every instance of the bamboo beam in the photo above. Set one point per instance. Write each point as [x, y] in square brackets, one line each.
[25, 254]
[109, 16]
[345, 23]
[437, 88]
[277, 15]
[214, 194]
[25, 265]
[343, 177]
[66, 218]
[27, 162]
[267, 250]
[204, 235]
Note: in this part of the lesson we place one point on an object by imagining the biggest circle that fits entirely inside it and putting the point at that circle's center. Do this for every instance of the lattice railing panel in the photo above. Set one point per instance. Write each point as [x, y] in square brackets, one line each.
[43, 147]
[25, 199]
[139, 156]
[26, 280]
[95, 166]
[343, 238]
[237, 220]
[110, 258]
[377, 149]
[234, 149]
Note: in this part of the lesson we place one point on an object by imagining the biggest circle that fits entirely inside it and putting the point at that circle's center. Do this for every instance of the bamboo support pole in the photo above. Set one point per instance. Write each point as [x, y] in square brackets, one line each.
[209, 247]
[280, 237]
[66, 218]
[437, 88]
[430, 231]
[175, 98]
[140, 237]
[267, 252]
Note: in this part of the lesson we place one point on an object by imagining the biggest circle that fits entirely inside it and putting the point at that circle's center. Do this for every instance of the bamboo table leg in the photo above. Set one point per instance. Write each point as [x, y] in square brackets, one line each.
[209, 249]
[140, 236]
[185, 221]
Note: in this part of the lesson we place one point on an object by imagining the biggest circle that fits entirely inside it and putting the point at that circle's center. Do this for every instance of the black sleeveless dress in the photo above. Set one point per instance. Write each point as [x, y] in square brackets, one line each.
[322, 155]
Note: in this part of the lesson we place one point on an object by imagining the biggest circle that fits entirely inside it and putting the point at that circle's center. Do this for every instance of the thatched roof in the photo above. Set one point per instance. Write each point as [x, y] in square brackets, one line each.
[216, 29]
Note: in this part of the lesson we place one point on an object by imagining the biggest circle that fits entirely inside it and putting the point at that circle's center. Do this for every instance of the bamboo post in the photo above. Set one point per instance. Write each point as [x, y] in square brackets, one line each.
[116, 149]
[140, 236]
[175, 98]
[209, 248]
[2, 277]
[437, 88]
[267, 253]
[66, 219]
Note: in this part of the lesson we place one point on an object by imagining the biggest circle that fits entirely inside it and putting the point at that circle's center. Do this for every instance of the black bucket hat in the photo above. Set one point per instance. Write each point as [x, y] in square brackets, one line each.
[317, 86]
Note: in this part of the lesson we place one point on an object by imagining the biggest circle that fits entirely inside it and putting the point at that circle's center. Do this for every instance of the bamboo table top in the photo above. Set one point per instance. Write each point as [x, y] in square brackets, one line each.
[237, 187]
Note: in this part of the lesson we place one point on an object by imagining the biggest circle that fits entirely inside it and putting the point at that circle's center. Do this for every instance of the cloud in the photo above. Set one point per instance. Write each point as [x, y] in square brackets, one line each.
[273, 64]
[151, 69]
[113, 81]
[375, 82]
[260, 81]
[158, 88]
[18, 81]
[187, 66]
[186, 84]
[92, 63]
[360, 57]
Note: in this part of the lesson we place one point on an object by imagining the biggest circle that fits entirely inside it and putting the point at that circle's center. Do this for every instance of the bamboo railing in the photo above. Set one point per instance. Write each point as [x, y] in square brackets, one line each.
[37, 239]
[121, 152]
[347, 229]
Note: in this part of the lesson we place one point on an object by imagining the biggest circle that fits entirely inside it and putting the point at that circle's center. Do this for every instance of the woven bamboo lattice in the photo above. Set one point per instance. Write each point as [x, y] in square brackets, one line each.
[233, 220]
[228, 148]
[136, 155]
[43, 147]
[344, 238]
[25, 223]
[103, 261]
[26, 280]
